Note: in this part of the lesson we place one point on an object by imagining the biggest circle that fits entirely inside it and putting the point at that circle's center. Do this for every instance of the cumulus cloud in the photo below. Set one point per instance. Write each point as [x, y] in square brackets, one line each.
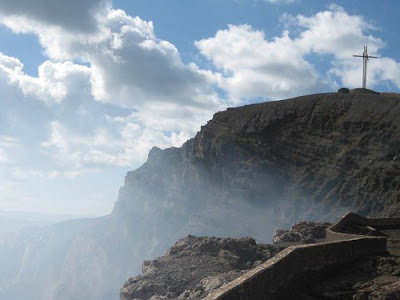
[254, 65]
[125, 66]
[55, 80]
[129, 64]
[336, 32]
[76, 15]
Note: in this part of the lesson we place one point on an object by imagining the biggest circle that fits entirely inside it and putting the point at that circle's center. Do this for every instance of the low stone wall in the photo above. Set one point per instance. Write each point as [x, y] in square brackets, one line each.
[294, 263]
[338, 236]
[350, 218]
[377, 223]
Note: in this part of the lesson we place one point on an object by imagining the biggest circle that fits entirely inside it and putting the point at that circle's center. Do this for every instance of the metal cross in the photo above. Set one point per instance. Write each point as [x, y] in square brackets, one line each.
[365, 57]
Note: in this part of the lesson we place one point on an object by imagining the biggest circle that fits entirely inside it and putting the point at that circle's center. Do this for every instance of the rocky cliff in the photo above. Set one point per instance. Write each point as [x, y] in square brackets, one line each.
[311, 156]
[249, 170]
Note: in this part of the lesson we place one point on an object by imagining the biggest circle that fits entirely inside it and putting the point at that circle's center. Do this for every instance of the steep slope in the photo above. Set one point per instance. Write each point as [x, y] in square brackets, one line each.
[249, 170]
[301, 156]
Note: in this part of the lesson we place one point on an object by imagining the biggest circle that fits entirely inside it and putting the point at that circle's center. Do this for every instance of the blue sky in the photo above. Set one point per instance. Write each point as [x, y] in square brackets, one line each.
[88, 87]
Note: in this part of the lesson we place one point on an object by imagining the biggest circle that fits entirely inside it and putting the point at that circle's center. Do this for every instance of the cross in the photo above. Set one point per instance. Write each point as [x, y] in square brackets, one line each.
[366, 58]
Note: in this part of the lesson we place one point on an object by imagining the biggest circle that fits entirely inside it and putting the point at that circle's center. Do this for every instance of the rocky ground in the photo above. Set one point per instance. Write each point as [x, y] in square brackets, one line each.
[195, 266]
[301, 233]
[376, 277]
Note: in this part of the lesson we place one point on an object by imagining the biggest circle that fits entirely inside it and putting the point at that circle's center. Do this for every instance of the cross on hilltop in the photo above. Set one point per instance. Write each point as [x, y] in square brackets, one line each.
[366, 58]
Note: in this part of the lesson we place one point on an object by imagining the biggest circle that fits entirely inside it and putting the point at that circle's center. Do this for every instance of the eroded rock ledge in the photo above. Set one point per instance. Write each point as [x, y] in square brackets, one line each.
[195, 266]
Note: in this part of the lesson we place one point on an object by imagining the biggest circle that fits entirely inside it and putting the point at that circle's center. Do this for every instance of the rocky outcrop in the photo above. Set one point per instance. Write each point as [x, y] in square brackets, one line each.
[312, 157]
[195, 266]
[371, 278]
[301, 233]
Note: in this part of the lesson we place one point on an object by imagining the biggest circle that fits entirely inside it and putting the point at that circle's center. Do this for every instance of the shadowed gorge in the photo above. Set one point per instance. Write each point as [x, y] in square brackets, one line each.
[249, 170]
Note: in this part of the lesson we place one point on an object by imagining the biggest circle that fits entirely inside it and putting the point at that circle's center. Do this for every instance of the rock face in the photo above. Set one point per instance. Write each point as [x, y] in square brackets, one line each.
[249, 170]
[301, 233]
[314, 156]
[195, 266]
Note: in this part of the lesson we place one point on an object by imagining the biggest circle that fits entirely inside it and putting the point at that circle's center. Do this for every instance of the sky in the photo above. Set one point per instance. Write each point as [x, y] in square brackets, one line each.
[88, 87]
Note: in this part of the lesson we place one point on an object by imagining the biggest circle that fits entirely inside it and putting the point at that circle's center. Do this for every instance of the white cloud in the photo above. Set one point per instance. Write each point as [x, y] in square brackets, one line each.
[106, 95]
[256, 67]
[7, 145]
[126, 65]
[102, 147]
[3, 156]
[55, 80]
[341, 35]
[8, 141]
[75, 15]
[335, 32]
[129, 65]
[278, 67]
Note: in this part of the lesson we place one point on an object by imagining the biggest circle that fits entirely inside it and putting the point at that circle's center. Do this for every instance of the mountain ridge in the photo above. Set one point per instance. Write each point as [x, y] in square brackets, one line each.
[267, 132]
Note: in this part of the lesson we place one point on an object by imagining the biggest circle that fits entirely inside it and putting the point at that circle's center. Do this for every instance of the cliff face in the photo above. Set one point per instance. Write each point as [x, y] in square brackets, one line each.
[249, 170]
[313, 157]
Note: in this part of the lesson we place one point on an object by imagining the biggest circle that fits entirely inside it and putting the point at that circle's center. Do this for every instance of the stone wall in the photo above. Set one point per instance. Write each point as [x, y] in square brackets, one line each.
[297, 263]
[337, 236]
[269, 280]
[350, 218]
[377, 223]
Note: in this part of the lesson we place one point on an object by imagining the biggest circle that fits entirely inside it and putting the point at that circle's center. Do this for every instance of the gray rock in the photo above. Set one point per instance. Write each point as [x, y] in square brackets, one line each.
[344, 91]
[195, 266]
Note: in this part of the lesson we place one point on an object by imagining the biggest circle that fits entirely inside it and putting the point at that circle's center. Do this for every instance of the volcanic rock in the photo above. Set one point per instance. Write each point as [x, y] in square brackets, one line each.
[195, 266]
[301, 233]
[370, 278]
